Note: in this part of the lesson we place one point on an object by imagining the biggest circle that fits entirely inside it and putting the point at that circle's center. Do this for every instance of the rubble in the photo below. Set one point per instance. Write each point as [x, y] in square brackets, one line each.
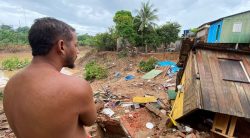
[141, 106]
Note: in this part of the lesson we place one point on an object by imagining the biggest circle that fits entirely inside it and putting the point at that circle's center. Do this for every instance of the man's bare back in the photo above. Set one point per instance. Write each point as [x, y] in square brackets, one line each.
[40, 102]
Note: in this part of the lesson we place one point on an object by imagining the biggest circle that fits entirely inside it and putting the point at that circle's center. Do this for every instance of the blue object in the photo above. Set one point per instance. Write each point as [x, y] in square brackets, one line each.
[129, 77]
[173, 66]
[214, 32]
[117, 74]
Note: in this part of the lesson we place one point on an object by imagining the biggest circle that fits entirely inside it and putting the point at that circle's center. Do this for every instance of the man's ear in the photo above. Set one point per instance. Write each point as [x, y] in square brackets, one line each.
[60, 47]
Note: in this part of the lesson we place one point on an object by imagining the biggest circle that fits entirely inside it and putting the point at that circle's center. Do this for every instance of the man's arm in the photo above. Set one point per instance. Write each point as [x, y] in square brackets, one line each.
[88, 112]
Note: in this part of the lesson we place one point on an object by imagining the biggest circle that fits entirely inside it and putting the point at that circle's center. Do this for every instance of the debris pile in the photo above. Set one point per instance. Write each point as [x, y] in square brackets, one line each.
[137, 104]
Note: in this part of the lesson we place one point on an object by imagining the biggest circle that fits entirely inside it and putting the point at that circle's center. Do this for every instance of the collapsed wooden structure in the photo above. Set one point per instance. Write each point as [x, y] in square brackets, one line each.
[215, 78]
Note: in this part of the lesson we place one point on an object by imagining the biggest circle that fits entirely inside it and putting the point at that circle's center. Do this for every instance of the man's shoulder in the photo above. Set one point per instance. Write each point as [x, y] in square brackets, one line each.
[76, 84]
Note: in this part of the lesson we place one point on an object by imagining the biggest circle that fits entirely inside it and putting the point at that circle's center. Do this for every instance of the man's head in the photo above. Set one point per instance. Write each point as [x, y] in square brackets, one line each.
[48, 33]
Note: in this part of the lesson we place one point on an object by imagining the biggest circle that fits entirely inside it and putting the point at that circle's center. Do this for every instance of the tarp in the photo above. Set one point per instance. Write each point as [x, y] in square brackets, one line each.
[151, 74]
[172, 64]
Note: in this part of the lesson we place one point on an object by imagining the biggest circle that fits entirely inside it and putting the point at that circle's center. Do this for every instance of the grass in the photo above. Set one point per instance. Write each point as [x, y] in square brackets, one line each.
[14, 63]
[95, 71]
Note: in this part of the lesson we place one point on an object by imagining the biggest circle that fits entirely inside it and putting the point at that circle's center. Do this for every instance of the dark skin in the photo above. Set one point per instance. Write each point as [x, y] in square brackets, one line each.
[40, 102]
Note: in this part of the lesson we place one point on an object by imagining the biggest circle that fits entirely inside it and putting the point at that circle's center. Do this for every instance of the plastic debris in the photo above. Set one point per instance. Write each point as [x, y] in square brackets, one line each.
[171, 94]
[107, 111]
[174, 68]
[188, 129]
[129, 77]
[149, 125]
[117, 75]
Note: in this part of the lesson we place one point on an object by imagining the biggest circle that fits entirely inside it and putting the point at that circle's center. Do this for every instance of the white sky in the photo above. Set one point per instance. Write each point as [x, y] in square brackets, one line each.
[94, 16]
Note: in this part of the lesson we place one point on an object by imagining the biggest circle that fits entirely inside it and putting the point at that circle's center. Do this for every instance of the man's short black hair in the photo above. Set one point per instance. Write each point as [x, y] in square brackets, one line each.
[45, 32]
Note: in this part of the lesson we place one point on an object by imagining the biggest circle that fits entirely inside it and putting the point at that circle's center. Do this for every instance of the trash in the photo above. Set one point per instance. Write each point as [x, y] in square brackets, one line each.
[169, 80]
[127, 104]
[130, 116]
[129, 77]
[188, 129]
[108, 111]
[168, 84]
[166, 63]
[149, 125]
[147, 99]
[171, 94]
[174, 68]
[136, 106]
[164, 111]
[117, 75]
[152, 74]
[180, 88]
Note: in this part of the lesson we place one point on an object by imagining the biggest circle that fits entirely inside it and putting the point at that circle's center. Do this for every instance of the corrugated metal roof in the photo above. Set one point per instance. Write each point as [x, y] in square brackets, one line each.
[224, 17]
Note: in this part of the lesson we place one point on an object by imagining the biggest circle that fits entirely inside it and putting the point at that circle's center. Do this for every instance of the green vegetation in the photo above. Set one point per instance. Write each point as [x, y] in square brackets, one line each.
[14, 63]
[148, 65]
[139, 30]
[146, 17]
[95, 71]
[10, 36]
[123, 53]
[105, 41]
[169, 32]
[124, 25]
[86, 40]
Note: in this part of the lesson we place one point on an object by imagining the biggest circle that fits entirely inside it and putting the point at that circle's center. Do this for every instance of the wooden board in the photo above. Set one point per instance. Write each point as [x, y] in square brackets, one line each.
[224, 125]
[210, 91]
[217, 94]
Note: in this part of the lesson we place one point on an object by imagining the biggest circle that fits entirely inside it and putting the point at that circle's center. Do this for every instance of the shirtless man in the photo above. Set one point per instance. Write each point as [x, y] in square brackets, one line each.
[39, 101]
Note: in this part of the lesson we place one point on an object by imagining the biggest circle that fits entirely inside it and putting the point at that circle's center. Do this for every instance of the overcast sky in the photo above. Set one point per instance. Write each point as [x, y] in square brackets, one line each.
[94, 16]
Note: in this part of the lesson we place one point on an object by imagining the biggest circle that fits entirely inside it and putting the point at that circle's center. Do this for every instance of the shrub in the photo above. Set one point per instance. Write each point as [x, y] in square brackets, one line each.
[95, 71]
[122, 54]
[148, 65]
[14, 63]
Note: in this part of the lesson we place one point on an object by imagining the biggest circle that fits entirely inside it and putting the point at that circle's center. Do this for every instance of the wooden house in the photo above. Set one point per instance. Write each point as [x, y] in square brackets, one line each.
[202, 33]
[230, 29]
[215, 79]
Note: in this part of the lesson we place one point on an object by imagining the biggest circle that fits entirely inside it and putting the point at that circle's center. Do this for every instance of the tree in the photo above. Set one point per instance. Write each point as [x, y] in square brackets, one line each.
[10, 36]
[124, 26]
[168, 32]
[24, 29]
[146, 17]
[105, 41]
[85, 39]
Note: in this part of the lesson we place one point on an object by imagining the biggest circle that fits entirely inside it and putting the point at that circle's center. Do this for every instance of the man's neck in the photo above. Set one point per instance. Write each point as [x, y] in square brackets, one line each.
[46, 60]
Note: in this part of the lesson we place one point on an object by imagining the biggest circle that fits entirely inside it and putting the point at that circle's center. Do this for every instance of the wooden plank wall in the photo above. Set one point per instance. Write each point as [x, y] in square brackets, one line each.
[192, 86]
[219, 95]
